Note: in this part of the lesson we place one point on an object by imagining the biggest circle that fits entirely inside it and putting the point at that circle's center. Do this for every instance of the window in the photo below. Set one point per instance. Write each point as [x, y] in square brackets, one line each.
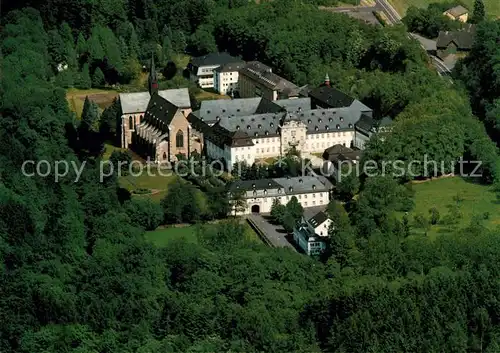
[164, 155]
[130, 122]
[179, 139]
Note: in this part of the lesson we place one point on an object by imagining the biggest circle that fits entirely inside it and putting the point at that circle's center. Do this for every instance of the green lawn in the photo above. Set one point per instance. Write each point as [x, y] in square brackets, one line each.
[442, 193]
[492, 6]
[162, 236]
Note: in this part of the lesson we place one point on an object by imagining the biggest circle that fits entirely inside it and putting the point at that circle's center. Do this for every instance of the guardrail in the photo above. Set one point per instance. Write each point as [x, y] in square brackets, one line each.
[262, 236]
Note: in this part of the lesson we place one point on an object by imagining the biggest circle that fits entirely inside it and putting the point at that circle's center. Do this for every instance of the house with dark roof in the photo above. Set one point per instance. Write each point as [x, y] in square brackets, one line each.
[336, 157]
[310, 191]
[454, 42]
[202, 68]
[457, 13]
[310, 234]
[257, 80]
[367, 126]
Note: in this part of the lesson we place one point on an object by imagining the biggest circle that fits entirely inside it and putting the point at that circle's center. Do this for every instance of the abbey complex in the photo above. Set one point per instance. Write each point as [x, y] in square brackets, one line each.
[273, 116]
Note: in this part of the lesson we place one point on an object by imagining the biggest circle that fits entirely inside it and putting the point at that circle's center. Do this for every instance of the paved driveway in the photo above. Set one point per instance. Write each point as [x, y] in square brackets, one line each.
[276, 234]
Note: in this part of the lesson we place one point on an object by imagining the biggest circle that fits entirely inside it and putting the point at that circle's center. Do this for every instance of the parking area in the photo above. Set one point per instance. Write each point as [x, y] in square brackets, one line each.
[275, 233]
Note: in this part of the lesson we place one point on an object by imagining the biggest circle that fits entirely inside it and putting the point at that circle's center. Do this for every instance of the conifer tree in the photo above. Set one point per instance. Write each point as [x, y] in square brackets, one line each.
[84, 81]
[81, 45]
[98, 79]
[134, 44]
[478, 13]
[90, 116]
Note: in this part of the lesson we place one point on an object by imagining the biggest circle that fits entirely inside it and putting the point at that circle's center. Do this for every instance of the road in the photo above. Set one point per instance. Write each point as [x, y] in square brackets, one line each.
[275, 234]
[395, 18]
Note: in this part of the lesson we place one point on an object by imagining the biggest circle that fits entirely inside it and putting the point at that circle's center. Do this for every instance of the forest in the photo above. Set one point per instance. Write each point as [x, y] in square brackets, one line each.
[77, 273]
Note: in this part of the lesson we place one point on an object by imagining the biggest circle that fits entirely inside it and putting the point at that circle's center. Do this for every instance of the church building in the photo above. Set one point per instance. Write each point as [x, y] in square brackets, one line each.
[154, 124]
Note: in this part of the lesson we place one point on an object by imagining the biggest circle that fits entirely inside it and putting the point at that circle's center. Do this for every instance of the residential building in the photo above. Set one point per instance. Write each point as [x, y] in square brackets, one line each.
[310, 235]
[367, 126]
[455, 42]
[226, 78]
[258, 80]
[202, 68]
[310, 191]
[458, 13]
[243, 130]
[134, 105]
[338, 156]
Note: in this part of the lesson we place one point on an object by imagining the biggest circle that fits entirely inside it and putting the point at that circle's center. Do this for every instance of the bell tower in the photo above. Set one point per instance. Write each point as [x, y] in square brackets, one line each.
[327, 80]
[152, 79]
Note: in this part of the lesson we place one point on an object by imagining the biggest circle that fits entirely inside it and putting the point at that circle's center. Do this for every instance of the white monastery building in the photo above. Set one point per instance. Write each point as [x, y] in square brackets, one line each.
[310, 191]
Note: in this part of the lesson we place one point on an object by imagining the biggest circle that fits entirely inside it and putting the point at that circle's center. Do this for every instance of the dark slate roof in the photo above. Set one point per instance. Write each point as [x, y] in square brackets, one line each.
[326, 120]
[318, 219]
[331, 97]
[160, 109]
[336, 149]
[254, 125]
[231, 67]
[211, 109]
[268, 106]
[263, 74]
[213, 59]
[294, 105]
[463, 39]
[289, 186]
[248, 185]
[337, 153]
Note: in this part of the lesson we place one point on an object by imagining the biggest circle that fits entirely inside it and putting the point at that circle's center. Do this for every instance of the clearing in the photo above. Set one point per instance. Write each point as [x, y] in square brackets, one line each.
[472, 199]
[162, 236]
[492, 6]
[76, 98]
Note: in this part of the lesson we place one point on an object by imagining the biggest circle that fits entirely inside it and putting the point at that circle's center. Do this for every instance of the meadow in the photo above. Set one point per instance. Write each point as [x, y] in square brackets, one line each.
[472, 199]
[162, 236]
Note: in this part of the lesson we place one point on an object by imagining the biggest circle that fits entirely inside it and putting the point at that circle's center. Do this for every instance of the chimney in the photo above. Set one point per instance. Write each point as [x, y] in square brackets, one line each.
[327, 80]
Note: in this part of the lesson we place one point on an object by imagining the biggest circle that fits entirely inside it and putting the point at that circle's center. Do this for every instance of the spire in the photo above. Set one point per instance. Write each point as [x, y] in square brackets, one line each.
[152, 79]
[327, 80]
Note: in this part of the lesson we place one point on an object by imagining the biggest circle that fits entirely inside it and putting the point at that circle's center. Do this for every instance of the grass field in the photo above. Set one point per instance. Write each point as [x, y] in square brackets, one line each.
[158, 184]
[492, 6]
[209, 95]
[76, 98]
[475, 199]
[162, 236]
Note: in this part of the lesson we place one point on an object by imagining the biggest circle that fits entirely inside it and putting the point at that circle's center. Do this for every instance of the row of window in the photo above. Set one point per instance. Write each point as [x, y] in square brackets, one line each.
[315, 244]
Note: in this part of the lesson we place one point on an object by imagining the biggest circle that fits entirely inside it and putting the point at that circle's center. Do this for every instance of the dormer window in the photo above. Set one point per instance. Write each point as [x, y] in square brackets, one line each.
[254, 193]
[223, 110]
[350, 126]
[279, 190]
[272, 124]
[290, 189]
[256, 134]
[330, 119]
[265, 192]
[326, 127]
[323, 113]
[208, 111]
[320, 120]
[237, 127]
[341, 119]
[314, 187]
[269, 184]
[309, 121]
[338, 127]
[259, 126]
[253, 185]
[316, 128]
[267, 133]
[238, 110]
[248, 127]
[312, 113]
